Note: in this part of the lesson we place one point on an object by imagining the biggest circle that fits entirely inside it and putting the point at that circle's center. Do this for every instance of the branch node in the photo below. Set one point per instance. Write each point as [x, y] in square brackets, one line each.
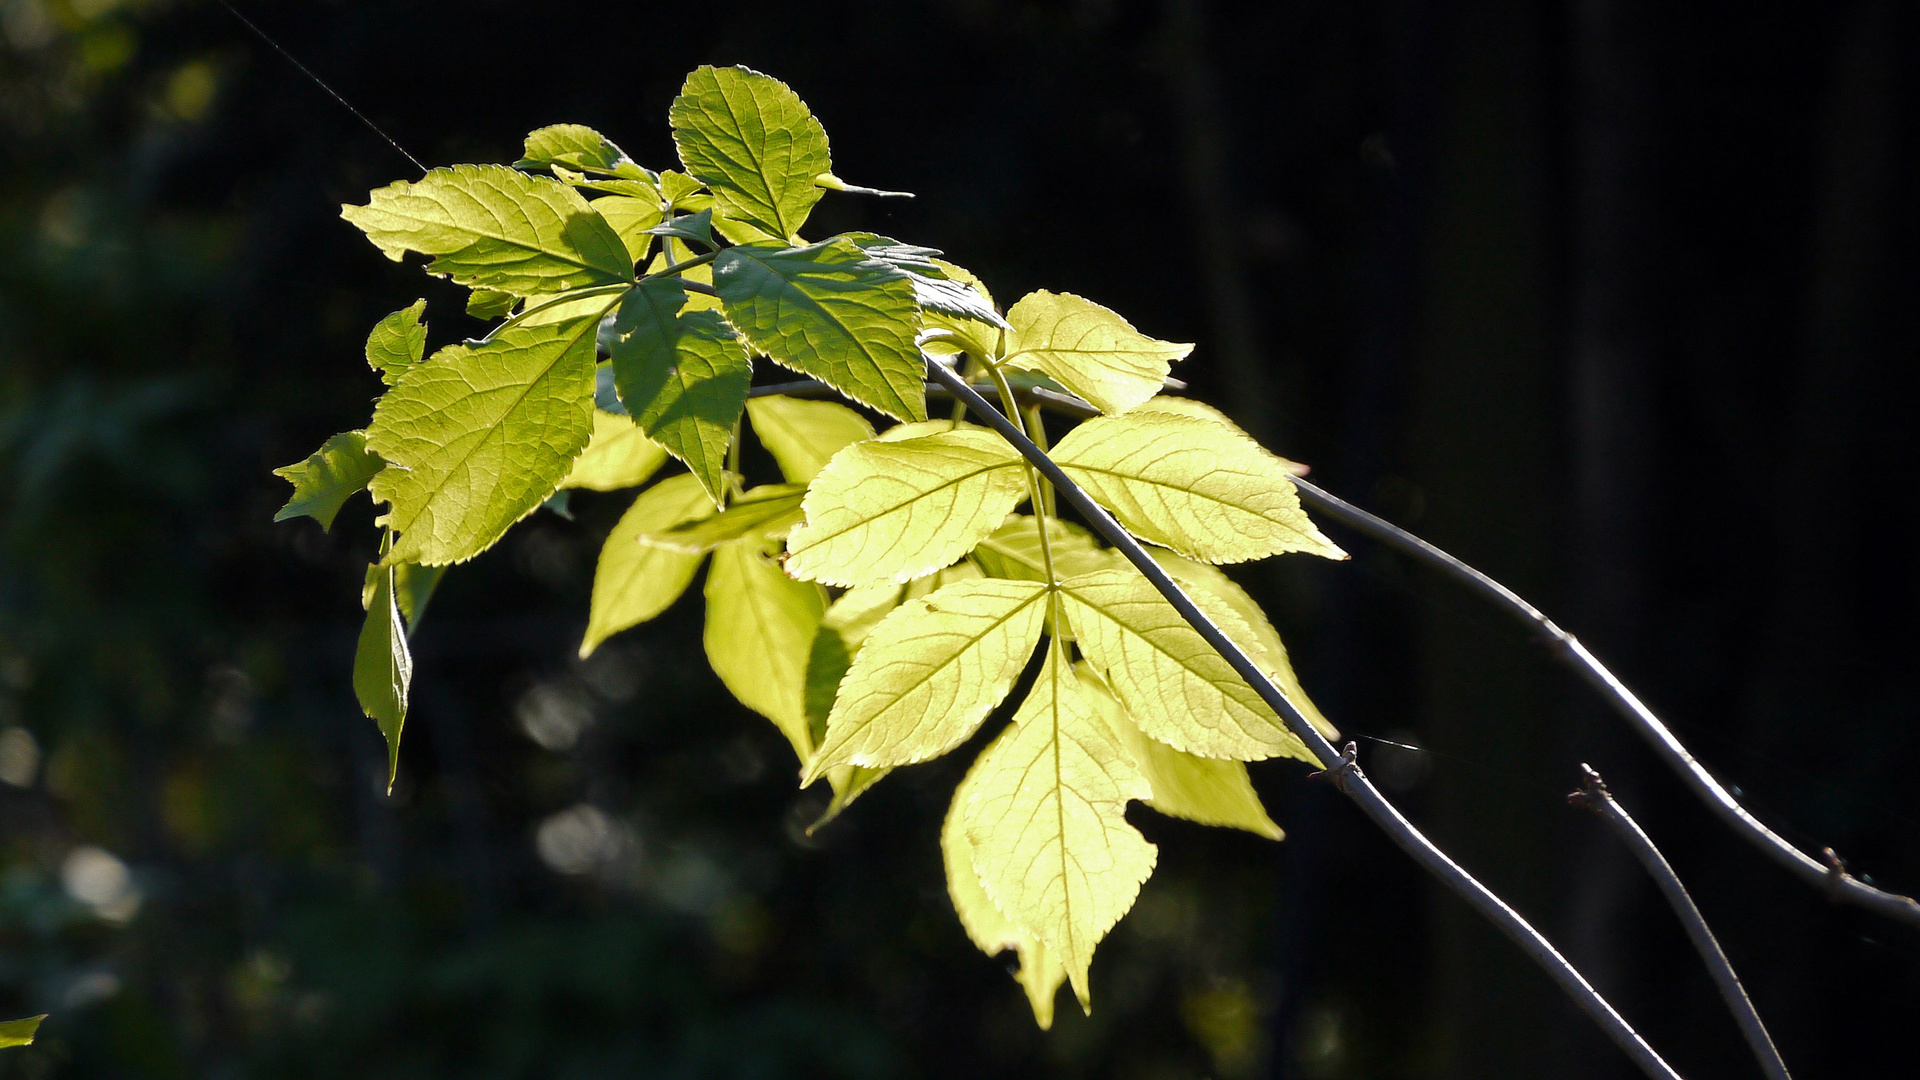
[1837, 876]
[1592, 793]
[1337, 776]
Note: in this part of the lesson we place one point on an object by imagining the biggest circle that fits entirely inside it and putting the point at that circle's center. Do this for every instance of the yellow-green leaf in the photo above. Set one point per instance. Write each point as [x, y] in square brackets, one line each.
[1171, 681]
[1203, 790]
[480, 435]
[630, 218]
[930, 672]
[398, 342]
[579, 147]
[619, 455]
[830, 312]
[1040, 973]
[760, 627]
[1089, 350]
[20, 1032]
[683, 377]
[328, 478]
[491, 226]
[490, 303]
[1203, 489]
[1013, 551]
[634, 581]
[751, 140]
[804, 435]
[1047, 822]
[842, 631]
[763, 513]
[898, 510]
[383, 668]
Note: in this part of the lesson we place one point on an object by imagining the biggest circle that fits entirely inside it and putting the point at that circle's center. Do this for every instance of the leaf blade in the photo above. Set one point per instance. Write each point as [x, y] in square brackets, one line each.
[683, 377]
[759, 630]
[754, 143]
[804, 435]
[329, 476]
[398, 342]
[383, 668]
[634, 582]
[618, 455]
[1088, 349]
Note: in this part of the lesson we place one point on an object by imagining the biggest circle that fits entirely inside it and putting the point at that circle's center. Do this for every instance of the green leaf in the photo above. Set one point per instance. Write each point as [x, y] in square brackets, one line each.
[619, 455]
[328, 478]
[1040, 972]
[760, 627]
[398, 342]
[1089, 350]
[383, 668]
[751, 140]
[1047, 822]
[644, 187]
[1201, 488]
[490, 303]
[830, 312]
[762, 514]
[803, 435]
[634, 581]
[682, 377]
[1184, 786]
[1171, 681]
[1013, 551]
[413, 587]
[898, 510]
[683, 192]
[490, 226]
[580, 147]
[834, 183]
[20, 1032]
[934, 290]
[842, 632]
[633, 220]
[481, 435]
[930, 672]
[697, 227]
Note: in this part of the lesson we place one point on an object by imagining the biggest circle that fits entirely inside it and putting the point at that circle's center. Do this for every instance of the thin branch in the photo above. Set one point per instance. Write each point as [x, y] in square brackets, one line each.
[1593, 795]
[1342, 770]
[1827, 873]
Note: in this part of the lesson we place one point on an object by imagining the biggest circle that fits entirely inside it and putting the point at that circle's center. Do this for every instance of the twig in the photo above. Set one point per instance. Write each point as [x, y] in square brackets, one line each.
[1350, 780]
[1593, 795]
[1826, 873]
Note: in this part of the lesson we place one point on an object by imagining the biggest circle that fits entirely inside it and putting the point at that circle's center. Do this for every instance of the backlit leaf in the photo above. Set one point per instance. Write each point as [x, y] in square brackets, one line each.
[754, 143]
[1088, 349]
[842, 631]
[480, 436]
[760, 627]
[1013, 551]
[1198, 789]
[1171, 681]
[383, 668]
[398, 342]
[898, 510]
[1047, 822]
[1203, 489]
[618, 456]
[683, 377]
[930, 672]
[577, 146]
[830, 312]
[804, 435]
[634, 581]
[328, 478]
[20, 1032]
[934, 290]
[1040, 972]
[490, 303]
[764, 513]
[633, 220]
[491, 226]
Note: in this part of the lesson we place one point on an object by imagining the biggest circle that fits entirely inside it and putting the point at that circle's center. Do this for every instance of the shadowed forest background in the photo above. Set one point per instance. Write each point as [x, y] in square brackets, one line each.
[1612, 298]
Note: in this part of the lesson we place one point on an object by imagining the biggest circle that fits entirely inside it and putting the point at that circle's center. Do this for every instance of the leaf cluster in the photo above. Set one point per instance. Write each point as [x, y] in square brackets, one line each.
[888, 594]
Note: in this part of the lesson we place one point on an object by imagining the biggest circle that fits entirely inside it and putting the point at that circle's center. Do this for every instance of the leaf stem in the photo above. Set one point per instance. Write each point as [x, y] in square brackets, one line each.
[563, 298]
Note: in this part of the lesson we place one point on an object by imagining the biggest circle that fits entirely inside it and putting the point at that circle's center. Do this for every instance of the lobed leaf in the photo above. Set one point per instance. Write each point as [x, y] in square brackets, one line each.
[760, 627]
[1201, 488]
[618, 455]
[398, 342]
[1047, 823]
[830, 312]
[930, 672]
[754, 143]
[1089, 350]
[899, 510]
[490, 226]
[682, 377]
[383, 668]
[328, 478]
[480, 436]
[633, 582]
[804, 435]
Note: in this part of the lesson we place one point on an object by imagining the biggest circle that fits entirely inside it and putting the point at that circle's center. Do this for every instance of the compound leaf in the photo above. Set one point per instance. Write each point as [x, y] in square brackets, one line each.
[1171, 681]
[804, 435]
[898, 510]
[754, 143]
[481, 435]
[1089, 350]
[1201, 488]
[634, 581]
[398, 342]
[328, 478]
[760, 628]
[577, 146]
[1047, 822]
[930, 672]
[383, 667]
[491, 226]
[765, 513]
[682, 377]
[830, 312]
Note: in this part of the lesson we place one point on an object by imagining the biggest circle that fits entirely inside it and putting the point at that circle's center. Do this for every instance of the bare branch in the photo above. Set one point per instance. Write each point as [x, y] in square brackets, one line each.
[1594, 796]
[1346, 775]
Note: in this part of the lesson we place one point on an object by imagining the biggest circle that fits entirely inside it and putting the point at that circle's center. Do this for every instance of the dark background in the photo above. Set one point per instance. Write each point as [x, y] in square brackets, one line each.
[1613, 298]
